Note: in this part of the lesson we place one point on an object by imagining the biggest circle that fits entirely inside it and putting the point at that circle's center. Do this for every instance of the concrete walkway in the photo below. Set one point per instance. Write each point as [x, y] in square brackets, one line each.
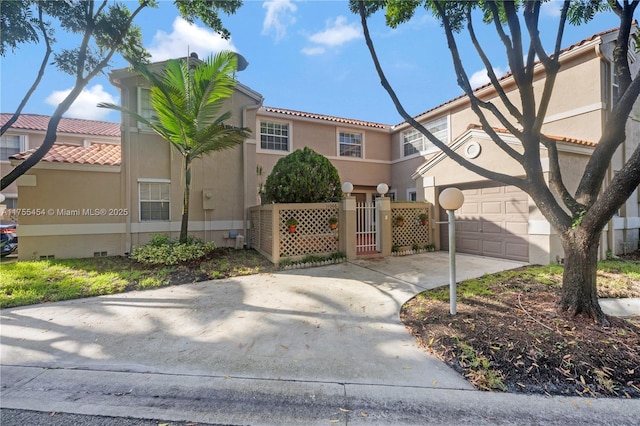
[314, 346]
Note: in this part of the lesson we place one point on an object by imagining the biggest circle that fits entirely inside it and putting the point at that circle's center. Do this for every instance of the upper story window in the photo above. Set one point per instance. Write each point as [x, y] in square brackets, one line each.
[415, 142]
[144, 106]
[615, 88]
[154, 200]
[350, 144]
[10, 145]
[274, 136]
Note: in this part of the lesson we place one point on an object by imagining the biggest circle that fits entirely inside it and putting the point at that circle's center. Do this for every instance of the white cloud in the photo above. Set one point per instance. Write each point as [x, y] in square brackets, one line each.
[184, 39]
[480, 78]
[85, 105]
[337, 33]
[318, 50]
[279, 16]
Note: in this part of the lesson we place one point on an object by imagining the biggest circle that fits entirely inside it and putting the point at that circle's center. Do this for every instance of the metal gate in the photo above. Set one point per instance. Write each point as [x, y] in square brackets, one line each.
[366, 241]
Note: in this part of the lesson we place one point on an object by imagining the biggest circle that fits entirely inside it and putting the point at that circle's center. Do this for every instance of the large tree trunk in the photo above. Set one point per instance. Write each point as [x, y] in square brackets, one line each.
[579, 293]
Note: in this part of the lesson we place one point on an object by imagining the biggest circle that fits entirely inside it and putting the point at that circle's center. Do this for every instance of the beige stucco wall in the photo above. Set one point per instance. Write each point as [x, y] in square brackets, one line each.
[322, 137]
[72, 211]
[219, 194]
[33, 139]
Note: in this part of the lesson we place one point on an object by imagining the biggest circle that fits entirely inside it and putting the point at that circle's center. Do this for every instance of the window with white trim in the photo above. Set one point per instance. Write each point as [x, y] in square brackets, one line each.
[615, 88]
[144, 106]
[350, 144]
[415, 142]
[154, 201]
[412, 195]
[10, 145]
[274, 136]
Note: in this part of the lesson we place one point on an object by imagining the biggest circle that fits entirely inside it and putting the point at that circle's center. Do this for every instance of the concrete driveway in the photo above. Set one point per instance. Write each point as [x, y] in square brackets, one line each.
[309, 338]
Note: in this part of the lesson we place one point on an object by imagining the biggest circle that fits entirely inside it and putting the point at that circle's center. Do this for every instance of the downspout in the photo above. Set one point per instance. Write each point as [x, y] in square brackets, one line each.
[245, 215]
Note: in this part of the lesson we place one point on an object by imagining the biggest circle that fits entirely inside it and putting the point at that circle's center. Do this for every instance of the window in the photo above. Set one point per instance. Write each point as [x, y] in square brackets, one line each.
[10, 145]
[350, 144]
[144, 106]
[615, 88]
[414, 142]
[412, 195]
[274, 136]
[11, 202]
[154, 200]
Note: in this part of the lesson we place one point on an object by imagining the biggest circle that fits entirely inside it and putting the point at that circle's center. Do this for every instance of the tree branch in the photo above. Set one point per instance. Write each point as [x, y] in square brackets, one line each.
[81, 83]
[513, 110]
[612, 137]
[555, 177]
[507, 179]
[45, 59]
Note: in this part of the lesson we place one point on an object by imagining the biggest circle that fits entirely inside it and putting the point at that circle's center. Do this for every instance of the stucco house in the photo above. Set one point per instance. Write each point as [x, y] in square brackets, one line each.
[28, 132]
[143, 197]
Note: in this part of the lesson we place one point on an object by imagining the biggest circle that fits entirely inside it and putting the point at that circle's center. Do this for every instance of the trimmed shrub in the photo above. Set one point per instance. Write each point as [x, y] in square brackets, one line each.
[162, 250]
[304, 176]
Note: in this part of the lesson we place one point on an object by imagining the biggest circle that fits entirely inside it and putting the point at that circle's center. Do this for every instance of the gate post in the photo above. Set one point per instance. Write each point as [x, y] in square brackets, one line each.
[383, 207]
[347, 227]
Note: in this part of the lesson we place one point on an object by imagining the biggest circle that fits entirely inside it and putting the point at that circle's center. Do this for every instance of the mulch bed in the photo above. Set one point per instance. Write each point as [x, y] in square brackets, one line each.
[516, 341]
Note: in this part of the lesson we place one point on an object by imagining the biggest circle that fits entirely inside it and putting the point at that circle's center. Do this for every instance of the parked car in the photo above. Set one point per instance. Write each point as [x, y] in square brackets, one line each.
[8, 239]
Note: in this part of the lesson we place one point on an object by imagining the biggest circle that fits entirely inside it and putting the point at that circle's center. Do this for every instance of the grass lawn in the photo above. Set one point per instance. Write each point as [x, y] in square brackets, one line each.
[509, 336]
[27, 283]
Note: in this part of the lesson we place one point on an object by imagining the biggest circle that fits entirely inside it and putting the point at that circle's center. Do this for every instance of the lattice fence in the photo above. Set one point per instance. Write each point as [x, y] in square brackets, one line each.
[260, 232]
[270, 234]
[414, 231]
[313, 234]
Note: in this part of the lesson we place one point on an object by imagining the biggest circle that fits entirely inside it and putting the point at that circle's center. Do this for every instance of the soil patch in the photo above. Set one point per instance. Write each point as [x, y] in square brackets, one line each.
[512, 338]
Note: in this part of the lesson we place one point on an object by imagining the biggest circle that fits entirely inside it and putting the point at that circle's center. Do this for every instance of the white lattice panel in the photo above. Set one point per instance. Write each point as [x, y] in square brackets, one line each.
[313, 233]
[412, 231]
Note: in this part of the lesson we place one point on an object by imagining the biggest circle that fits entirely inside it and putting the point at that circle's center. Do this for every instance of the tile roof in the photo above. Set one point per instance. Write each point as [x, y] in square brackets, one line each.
[66, 125]
[104, 154]
[555, 138]
[324, 117]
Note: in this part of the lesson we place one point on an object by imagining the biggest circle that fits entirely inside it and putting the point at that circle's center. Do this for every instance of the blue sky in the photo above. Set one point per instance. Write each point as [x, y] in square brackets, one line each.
[303, 55]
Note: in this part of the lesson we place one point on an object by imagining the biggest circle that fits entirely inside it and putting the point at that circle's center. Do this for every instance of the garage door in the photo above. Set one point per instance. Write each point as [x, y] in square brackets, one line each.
[493, 221]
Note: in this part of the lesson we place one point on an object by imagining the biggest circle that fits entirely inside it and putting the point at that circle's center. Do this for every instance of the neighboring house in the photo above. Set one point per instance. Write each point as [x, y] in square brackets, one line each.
[28, 132]
[494, 221]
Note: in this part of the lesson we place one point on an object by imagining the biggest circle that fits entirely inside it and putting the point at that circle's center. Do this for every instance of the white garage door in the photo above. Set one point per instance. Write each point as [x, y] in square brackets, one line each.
[493, 221]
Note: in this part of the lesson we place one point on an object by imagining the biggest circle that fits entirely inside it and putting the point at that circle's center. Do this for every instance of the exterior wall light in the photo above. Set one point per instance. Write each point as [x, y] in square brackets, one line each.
[347, 188]
[382, 189]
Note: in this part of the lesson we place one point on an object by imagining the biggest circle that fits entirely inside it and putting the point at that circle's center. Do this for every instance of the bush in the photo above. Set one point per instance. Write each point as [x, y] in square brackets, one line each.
[304, 176]
[162, 250]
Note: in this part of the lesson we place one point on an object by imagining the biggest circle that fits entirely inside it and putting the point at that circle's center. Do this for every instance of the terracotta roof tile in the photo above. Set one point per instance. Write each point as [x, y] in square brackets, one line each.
[324, 117]
[67, 125]
[104, 154]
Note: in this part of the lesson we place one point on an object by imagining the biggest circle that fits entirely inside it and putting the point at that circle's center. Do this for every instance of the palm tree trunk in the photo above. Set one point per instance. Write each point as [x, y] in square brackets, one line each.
[184, 231]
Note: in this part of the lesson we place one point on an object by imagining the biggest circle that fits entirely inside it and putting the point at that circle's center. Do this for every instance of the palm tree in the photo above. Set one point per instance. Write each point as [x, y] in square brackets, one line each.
[187, 96]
